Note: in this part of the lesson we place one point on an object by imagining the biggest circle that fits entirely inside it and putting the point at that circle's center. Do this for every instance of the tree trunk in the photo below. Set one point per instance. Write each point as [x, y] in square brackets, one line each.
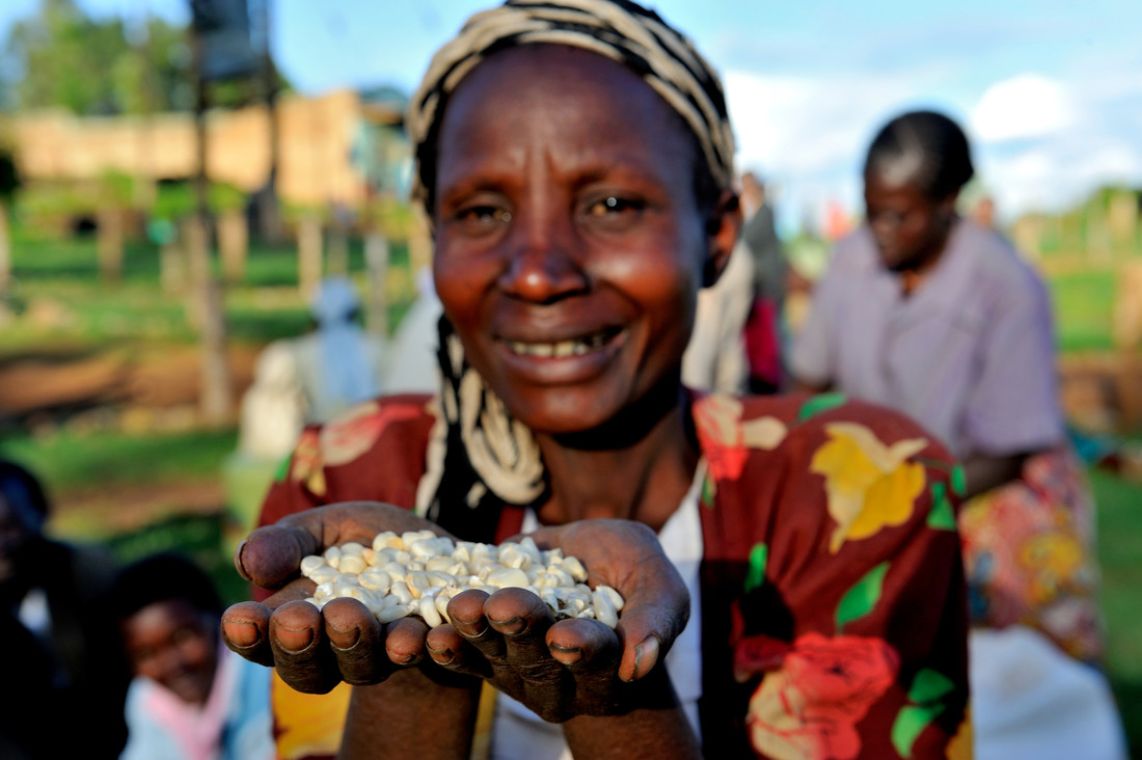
[216, 393]
[234, 243]
[377, 268]
[173, 267]
[5, 250]
[309, 255]
[110, 244]
[338, 259]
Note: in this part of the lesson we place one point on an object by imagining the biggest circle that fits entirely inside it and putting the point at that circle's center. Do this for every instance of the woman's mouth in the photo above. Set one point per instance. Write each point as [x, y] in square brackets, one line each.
[564, 348]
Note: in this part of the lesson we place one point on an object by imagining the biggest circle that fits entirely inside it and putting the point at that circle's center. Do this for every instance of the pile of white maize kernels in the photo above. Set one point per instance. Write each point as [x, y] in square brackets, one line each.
[418, 572]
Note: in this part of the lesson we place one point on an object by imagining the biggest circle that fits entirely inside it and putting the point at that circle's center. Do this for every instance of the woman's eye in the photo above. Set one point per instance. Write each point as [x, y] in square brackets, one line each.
[612, 205]
[483, 216]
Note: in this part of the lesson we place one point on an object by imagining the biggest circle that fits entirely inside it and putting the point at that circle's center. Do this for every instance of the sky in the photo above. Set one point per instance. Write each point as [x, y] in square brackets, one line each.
[1049, 91]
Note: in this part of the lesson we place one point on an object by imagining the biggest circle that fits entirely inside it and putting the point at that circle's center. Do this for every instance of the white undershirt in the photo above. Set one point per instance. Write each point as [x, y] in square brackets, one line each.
[520, 734]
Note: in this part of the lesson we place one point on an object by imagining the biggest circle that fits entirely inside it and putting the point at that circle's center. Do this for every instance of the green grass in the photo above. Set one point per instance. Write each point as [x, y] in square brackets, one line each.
[69, 460]
[1120, 555]
[1084, 309]
[266, 305]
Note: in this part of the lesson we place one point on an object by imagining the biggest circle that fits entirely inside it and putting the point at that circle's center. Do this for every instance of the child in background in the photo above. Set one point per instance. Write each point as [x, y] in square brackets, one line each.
[191, 699]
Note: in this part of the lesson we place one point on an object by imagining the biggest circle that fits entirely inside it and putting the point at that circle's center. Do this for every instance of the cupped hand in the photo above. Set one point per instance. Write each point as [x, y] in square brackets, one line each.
[575, 666]
[313, 650]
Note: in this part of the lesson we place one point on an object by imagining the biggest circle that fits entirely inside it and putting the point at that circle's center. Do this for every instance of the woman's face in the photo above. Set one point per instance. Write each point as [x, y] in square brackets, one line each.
[175, 645]
[569, 242]
[910, 228]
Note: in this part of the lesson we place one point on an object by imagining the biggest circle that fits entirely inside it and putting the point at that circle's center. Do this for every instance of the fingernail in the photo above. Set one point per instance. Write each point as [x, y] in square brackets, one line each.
[238, 561]
[354, 635]
[510, 627]
[441, 656]
[473, 630]
[303, 634]
[245, 632]
[645, 657]
[566, 655]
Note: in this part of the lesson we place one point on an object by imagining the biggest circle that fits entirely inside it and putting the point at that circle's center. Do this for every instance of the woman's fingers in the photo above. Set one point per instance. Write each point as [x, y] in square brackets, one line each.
[654, 613]
[270, 556]
[522, 618]
[404, 641]
[302, 655]
[582, 644]
[357, 641]
[245, 630]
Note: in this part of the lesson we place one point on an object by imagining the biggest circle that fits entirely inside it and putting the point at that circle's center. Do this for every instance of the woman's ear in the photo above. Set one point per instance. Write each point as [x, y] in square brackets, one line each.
[722, 230]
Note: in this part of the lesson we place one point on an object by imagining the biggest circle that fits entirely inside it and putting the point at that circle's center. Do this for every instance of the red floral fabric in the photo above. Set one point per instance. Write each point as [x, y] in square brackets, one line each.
[834, 612]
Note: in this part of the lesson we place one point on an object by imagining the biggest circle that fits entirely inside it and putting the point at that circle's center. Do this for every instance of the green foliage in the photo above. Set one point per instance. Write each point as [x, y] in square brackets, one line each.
[69, 460]
[1084, 309]
[177, 201]
[66, 59]
[1120, 546]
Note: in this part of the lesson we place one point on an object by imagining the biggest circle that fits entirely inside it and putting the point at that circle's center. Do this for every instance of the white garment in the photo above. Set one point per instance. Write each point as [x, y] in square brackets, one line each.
[1030, 700]
[412, 366]
[715, 357]
[520, 734]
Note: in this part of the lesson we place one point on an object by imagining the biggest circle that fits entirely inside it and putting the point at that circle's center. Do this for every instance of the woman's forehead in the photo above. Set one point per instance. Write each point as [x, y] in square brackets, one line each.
[582, 113]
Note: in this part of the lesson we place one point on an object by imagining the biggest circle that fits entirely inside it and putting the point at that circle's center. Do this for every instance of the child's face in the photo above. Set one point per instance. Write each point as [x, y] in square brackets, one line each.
[175, 645]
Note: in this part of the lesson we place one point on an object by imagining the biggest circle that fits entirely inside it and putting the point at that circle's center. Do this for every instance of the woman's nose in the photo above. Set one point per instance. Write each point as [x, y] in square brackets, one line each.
[542, 265]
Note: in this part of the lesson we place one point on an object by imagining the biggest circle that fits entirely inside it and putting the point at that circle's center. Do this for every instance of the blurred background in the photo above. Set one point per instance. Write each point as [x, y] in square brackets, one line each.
[176, 177]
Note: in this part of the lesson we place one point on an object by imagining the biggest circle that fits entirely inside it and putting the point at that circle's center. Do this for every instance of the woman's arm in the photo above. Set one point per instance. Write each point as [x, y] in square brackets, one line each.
[656, 728]
[983, 473]
[410, 715]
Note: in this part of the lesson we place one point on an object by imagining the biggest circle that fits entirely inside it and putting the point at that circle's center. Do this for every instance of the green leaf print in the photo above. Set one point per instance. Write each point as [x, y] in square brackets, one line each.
[929, 686]
[959, 481]
[821, 403]
[942, 516]
[860, 600]
[910, 723]
[758, 557]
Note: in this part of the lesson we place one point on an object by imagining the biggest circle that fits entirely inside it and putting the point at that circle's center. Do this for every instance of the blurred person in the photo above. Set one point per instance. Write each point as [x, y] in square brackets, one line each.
[191, 698]
[715, 358]
[763, 329]
[273, 407]
[576, 160]
[412, 352]
[936, 316]
[63, 681]
[338, 364]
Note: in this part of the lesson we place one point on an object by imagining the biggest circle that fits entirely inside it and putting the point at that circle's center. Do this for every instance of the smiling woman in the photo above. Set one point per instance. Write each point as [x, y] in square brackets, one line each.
[575, 161]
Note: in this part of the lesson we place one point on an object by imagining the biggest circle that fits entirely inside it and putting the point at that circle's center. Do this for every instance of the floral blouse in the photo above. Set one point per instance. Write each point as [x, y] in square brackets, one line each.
[834, 611]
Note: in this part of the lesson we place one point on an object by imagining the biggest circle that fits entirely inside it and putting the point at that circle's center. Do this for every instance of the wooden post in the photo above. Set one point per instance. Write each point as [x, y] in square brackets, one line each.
[216, 393]
[5, 249]
[309, 254]
[377, 269]
[234, 244]
[110, 244]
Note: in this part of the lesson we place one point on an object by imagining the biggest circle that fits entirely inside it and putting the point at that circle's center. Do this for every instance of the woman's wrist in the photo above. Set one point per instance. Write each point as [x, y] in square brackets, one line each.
[411, 711]
[649, 720]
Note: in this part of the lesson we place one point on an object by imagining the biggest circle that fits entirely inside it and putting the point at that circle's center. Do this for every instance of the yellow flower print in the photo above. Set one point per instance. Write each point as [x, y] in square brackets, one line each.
[1052, 559]
[870, 486]
[960, 747]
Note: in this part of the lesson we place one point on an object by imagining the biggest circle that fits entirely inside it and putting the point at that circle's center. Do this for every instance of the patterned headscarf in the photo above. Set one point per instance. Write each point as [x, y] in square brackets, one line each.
[617, 29]
[489, 458]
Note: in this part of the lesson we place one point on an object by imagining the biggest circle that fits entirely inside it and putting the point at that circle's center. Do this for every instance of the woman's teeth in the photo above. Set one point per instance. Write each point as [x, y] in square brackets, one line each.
[576, 347]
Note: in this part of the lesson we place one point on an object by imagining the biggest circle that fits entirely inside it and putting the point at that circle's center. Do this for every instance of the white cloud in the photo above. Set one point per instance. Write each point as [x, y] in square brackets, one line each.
[1027, 105]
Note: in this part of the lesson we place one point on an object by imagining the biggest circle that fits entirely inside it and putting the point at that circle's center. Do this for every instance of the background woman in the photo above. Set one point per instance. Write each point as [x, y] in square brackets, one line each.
[936, 316]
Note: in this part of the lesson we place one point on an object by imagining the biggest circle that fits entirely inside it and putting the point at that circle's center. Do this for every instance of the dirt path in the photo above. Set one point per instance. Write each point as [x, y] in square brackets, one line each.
[56, 384]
